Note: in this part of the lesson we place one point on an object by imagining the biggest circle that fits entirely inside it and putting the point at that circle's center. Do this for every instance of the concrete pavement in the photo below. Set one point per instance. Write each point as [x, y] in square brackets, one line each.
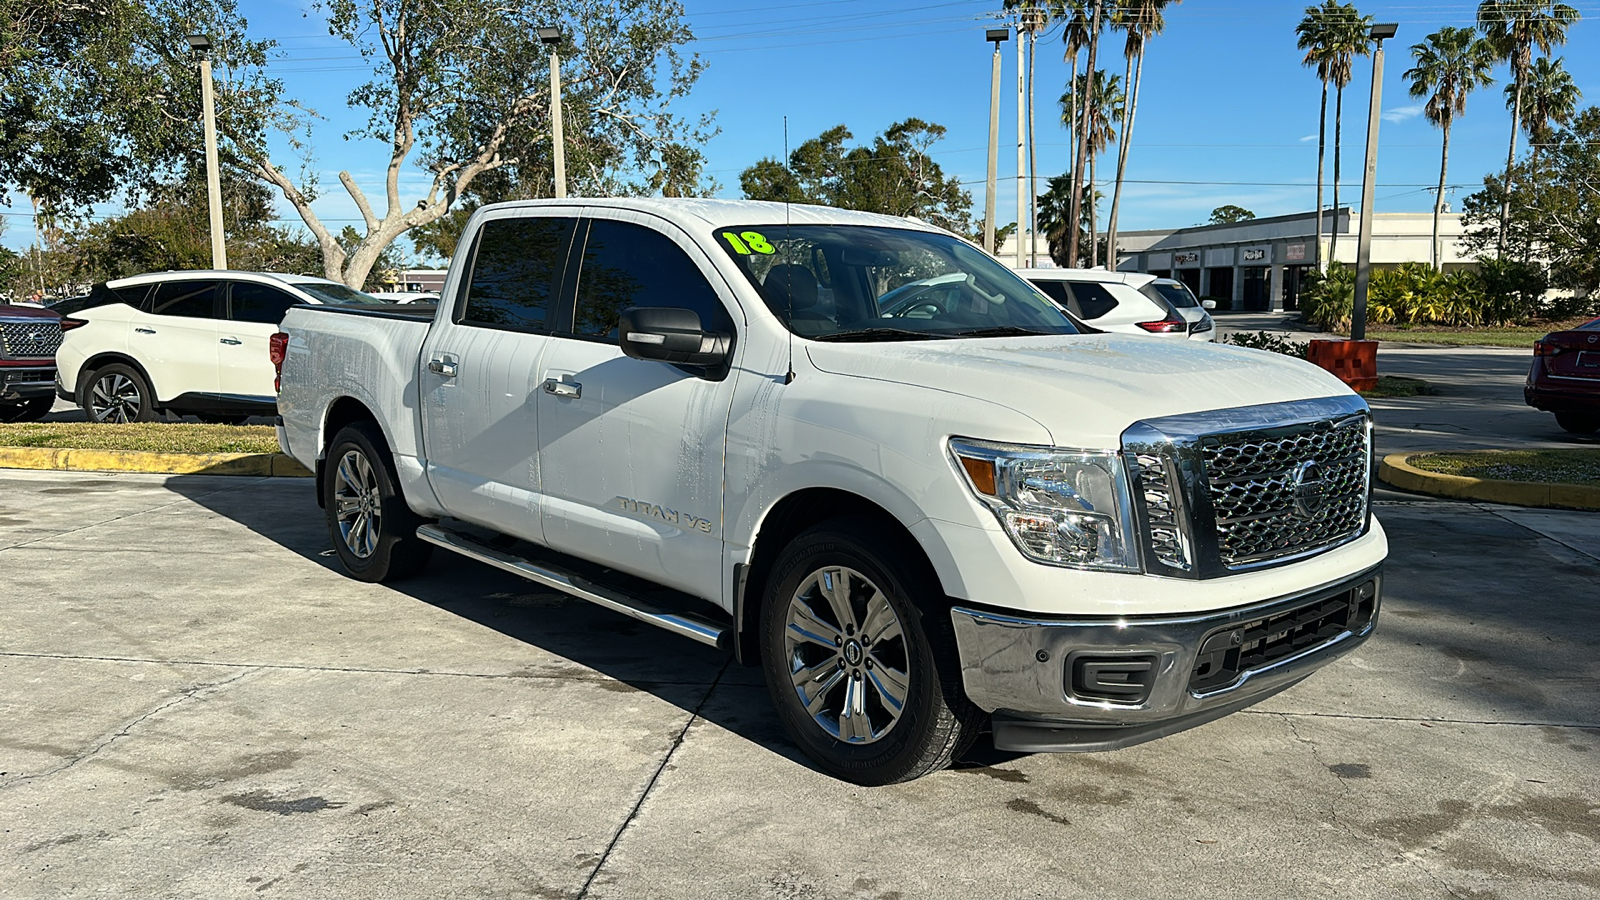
[195, 703]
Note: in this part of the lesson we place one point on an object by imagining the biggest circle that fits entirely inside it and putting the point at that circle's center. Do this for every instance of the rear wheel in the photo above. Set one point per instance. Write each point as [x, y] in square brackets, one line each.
[1578, 423]
[28, 410]
[117, 394]
[373, 531]
[860, 658]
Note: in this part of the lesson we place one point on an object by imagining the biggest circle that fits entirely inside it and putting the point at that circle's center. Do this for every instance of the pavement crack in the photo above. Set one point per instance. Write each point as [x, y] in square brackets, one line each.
[650, 785]
[182, 696]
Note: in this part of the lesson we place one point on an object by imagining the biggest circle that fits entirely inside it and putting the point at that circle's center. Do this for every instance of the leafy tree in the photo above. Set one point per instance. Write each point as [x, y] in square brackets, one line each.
[1549, 98]
[1141, 20]
[1229, 214]
[1451, 63]
[1513, 28]
[1101, 96]
[894, 175]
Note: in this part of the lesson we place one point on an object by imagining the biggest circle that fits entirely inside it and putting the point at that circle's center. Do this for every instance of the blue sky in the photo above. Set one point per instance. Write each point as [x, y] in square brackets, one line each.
[1227, 114]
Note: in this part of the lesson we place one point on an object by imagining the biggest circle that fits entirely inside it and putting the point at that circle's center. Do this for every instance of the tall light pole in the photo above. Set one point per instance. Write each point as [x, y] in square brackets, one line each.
[997, 36]
[551, 37]
[1358, 312]
[1022, 136]
[201, 44]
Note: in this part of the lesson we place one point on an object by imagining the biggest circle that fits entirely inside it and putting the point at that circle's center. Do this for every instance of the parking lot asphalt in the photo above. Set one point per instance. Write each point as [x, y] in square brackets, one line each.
[196, 703]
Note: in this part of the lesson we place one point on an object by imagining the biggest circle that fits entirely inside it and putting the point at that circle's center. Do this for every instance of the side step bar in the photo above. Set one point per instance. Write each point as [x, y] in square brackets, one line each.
[689, 625]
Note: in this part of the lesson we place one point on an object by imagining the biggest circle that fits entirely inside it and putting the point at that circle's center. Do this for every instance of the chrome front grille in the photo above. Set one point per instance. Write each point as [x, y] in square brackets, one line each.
[1288, 494]
[1233, 489]
[38, 339]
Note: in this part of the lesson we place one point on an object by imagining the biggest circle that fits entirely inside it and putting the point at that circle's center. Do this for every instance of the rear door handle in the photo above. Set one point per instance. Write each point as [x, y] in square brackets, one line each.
[563, 388]
[444, 367]
[232, 341]
[145, 330]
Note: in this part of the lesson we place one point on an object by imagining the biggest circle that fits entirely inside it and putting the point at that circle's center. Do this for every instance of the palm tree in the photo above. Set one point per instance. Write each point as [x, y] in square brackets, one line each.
[1451, 63]
[1098, 18]
[1551, 98]
[1142, 20]
[1101, 93]
[1075, 35]
[1053, 204]
[1347, 40]
[1514, 28]
[1314, 38]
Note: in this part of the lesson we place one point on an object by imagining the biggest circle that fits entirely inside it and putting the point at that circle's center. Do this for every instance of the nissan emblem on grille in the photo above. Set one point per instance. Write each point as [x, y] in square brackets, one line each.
[1309, 489]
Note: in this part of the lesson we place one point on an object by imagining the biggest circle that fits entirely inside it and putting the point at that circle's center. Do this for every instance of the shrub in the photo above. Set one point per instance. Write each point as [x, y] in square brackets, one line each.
[1267, 340]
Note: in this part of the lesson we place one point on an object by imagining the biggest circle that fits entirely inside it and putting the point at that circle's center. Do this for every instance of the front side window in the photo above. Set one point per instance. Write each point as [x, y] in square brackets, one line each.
[630, 265]
[186, 299]
[860, 282]
[516, 273]
[251, 302]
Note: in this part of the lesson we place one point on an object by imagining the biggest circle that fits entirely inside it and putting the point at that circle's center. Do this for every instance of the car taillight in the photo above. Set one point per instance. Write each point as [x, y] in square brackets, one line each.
[1164, 326]
[1540, 348]
[69, 324]
[277, 349]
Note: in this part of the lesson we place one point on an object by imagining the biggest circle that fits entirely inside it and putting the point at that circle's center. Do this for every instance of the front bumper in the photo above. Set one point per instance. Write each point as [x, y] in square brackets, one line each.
[1101, 684]
[26, 383]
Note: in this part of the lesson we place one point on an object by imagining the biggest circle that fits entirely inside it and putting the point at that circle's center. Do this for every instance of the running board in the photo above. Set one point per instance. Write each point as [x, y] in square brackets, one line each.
[689, 625]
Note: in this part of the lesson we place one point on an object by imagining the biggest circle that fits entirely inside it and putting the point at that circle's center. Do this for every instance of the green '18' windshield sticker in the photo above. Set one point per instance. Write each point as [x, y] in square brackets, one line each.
[748, 242]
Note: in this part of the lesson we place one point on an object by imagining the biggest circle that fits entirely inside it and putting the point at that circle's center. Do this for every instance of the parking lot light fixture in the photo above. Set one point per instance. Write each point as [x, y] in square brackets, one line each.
[1358, 312]
[551, 37]
[996, 36]
[201, 44]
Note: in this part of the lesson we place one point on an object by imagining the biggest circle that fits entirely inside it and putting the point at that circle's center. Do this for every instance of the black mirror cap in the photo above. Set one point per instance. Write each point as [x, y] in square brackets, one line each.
[670, 334]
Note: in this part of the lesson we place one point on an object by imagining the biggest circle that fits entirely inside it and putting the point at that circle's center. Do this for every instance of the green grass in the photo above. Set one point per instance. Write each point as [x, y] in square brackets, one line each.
[1542, 466]
[1521, 338]
[161, 437]
[1398, 386]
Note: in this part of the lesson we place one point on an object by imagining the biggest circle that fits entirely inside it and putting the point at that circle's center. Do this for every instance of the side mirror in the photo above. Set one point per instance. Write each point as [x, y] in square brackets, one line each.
[670, 334]
[1208, 304]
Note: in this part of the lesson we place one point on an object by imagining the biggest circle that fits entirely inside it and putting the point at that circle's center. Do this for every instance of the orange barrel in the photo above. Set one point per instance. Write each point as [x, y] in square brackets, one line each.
[1353, 362]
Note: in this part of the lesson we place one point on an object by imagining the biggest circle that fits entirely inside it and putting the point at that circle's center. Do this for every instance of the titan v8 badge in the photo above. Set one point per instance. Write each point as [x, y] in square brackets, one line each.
[666, 514]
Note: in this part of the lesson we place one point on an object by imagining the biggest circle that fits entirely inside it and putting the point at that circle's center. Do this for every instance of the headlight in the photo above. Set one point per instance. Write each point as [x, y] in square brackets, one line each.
[1062, 507]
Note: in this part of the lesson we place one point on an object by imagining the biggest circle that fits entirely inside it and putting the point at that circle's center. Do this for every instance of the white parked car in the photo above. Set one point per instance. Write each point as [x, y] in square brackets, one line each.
[860, 453]
[183, 342]
[405, 296]
[1126, 302]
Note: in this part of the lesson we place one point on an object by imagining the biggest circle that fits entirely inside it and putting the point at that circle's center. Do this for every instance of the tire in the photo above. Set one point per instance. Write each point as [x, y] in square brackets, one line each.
[216, 419]
[28, 410]
[117, 394]
[1578, 423]
[373, 531]
[848, 642]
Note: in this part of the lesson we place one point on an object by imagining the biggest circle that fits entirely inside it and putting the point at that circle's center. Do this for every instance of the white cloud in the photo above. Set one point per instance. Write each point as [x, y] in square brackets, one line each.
[1398, 114]
[1309, 137]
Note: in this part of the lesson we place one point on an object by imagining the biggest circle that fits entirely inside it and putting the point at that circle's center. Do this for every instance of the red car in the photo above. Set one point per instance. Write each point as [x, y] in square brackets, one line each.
[1565, 377]
[29, 336]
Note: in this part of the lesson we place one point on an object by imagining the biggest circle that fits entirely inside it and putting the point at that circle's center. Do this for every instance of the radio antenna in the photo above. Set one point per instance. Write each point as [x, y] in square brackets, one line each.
[788, 270]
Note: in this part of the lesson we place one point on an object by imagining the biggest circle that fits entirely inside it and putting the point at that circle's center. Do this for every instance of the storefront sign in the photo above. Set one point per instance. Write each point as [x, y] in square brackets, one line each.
[1294, 252]
[1253, 254]
[1186, 258]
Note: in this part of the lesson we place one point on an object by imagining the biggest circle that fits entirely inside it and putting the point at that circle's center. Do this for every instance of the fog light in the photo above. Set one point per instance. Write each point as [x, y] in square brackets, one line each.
[1124, 680]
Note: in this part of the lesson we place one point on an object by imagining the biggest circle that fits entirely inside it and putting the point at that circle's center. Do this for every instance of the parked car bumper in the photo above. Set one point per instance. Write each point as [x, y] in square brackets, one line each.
[26, 381]
[1101, 684]
[1580, 397]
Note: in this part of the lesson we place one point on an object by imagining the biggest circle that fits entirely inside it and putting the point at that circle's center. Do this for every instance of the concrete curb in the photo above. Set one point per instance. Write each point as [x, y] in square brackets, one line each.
[1396, 471]
[257, 464]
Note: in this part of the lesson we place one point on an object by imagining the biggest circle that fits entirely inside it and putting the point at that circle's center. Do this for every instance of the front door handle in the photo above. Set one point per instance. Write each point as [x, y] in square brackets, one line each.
[232, 342]
[445, 367]
[563, 388]
[145, 330]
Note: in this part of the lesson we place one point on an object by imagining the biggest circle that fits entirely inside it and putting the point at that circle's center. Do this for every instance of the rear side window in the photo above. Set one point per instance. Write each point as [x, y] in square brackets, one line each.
[1057, 291]
[251, 302]
[1093, 299]
[630, 265]
[105, 295]
[186, 299]
[516, 273]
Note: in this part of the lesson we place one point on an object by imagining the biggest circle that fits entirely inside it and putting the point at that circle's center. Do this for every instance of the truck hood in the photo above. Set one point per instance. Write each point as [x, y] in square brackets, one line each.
[1085, 389]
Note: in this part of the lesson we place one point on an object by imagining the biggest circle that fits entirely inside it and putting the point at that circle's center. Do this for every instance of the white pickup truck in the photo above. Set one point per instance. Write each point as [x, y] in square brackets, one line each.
[949, 509]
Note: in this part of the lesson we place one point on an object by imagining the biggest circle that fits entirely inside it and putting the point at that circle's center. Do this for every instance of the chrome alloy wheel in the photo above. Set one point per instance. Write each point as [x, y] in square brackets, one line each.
[357, 504]
[847, 655]
[115, 398]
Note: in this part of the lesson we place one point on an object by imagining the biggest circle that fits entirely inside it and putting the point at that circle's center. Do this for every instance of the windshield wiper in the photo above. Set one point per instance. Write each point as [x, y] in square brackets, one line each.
[881, 334]
[1000, 331]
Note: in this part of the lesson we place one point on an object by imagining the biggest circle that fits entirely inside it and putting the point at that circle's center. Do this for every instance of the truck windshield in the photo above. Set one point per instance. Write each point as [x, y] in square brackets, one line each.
[856, 282]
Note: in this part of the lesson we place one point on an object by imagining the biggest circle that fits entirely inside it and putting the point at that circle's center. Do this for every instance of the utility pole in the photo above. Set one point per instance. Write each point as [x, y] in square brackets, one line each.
[201, 44]
[551, 37]
[1358, 311]
[1023, 234]
[998, 36]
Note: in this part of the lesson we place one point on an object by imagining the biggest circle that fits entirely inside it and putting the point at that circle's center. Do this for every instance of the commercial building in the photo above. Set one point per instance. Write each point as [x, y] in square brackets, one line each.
[1262, 264]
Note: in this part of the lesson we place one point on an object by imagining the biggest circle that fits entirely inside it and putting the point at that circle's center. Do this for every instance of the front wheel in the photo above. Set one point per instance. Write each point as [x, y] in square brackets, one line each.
[860, 658]
[28, 410]
[1578, 423]
[373, 531]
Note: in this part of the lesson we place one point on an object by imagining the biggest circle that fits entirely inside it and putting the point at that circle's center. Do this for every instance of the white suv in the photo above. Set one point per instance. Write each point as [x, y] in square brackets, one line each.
[183, 342]
[1126, 302]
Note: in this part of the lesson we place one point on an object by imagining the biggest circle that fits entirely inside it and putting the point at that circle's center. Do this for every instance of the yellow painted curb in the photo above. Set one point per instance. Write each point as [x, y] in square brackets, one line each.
[73, 460]
[1397, 471]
